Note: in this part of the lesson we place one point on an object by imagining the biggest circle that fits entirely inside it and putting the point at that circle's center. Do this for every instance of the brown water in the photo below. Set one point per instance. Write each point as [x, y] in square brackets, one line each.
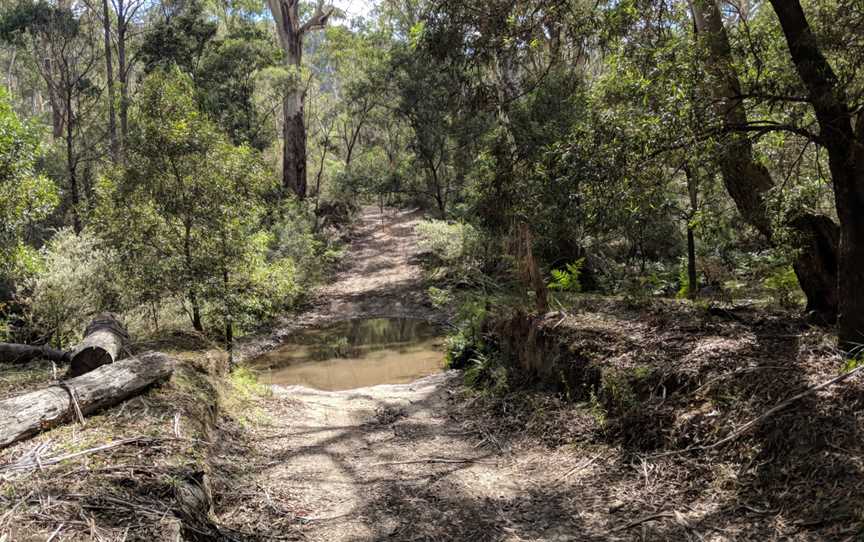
[355, 354]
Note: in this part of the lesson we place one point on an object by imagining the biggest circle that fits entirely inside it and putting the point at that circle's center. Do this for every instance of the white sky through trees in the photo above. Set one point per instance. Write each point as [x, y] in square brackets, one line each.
[355, 8]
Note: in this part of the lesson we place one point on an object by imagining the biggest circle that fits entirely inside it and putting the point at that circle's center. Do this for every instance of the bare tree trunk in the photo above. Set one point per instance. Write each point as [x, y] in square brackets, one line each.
[72, 165]
[294, 144]
[109, 77]
[196, 312]
[123, 70]
[104, 342]
[529, 269]
[291, 31]
[229, 322]
[26, 415]
[22, 353]
[692, 278]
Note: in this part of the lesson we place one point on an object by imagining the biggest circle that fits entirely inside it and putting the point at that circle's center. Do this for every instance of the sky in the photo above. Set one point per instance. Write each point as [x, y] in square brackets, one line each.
[355, 8]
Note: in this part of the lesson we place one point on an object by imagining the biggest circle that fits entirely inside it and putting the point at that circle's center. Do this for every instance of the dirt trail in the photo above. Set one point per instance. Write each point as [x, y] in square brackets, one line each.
[382, 278]
[399, 462]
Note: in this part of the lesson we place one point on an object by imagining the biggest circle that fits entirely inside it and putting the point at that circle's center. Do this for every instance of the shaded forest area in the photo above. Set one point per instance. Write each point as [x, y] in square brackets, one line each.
[646, 226]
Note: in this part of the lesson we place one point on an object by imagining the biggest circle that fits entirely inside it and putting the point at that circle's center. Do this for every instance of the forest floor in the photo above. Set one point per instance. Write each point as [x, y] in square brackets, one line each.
[434, 461]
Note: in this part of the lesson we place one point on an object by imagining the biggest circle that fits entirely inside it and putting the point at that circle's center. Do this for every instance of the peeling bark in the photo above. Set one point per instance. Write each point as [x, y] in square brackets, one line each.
[26, 415]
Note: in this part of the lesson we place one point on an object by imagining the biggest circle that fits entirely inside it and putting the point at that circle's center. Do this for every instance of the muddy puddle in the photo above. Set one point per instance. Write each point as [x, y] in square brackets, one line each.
[355, 354]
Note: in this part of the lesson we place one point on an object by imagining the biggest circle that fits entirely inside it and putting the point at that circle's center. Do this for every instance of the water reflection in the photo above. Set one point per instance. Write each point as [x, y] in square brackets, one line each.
[355, 354]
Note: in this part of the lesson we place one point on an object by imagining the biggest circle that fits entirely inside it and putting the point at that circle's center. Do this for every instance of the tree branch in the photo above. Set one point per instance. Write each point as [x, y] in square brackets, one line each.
[318, 19]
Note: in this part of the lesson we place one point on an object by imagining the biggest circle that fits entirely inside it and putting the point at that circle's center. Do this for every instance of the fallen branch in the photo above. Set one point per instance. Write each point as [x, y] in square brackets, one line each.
[645, 519]
[436, 460]
[32, 461]
[747, 427]
[583, 465]
[26, 415]
[104, 342]
[23, 353]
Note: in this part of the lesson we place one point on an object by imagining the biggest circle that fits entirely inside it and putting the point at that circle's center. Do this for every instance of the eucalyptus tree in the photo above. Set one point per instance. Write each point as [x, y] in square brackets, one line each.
[841, 125]
[292, 30]
[749, 182]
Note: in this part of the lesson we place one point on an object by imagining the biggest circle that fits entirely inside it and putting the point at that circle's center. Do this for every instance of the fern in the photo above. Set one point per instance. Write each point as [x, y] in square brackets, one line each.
[567, 280]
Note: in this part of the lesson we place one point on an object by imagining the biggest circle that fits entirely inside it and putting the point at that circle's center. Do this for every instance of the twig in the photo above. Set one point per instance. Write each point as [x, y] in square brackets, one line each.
[740, 371]
[640, 521]
[759, 419]
[11, 511]
[177, 424]
[18, 465]
[579, 467]
[74, 400]
[436, 460]
[56, 532]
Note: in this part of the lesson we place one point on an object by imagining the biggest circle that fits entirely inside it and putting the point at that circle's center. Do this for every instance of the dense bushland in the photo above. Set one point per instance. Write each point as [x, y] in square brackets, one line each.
[644, 149]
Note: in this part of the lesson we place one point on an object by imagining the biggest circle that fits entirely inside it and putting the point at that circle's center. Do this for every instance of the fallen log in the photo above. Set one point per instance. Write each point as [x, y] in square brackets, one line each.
[104, 342]
[23, 353]
[26, 415]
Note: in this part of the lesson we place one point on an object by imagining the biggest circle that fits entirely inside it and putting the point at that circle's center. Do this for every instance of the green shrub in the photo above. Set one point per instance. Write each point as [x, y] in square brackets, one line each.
[567, 280]
[782, 286]
[449, 242]
[486, 372]
[76, 280]
[440, 299]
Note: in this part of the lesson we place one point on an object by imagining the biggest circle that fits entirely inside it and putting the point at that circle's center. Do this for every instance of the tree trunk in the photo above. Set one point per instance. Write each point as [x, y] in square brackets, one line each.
[294, 144]
[109, 82]
[196, 312]
[23, 353]
[747, 181]
[72, 165]
[692, 278]
[819, 238]
[31, 413]
[104, 342]
[123, 72]
[529, 269]
[286, 14]
[845, 160]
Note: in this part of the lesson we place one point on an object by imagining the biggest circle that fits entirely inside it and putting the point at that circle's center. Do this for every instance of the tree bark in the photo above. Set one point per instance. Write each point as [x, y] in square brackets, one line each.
[72, 165]
[123, 72]
[692, 278]
[23, 353]
[294, 144]
[104, 342]
[747, 181]
[31, 413]
[109, 82]
[845, 160]
[196, 312]
[291, 31]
